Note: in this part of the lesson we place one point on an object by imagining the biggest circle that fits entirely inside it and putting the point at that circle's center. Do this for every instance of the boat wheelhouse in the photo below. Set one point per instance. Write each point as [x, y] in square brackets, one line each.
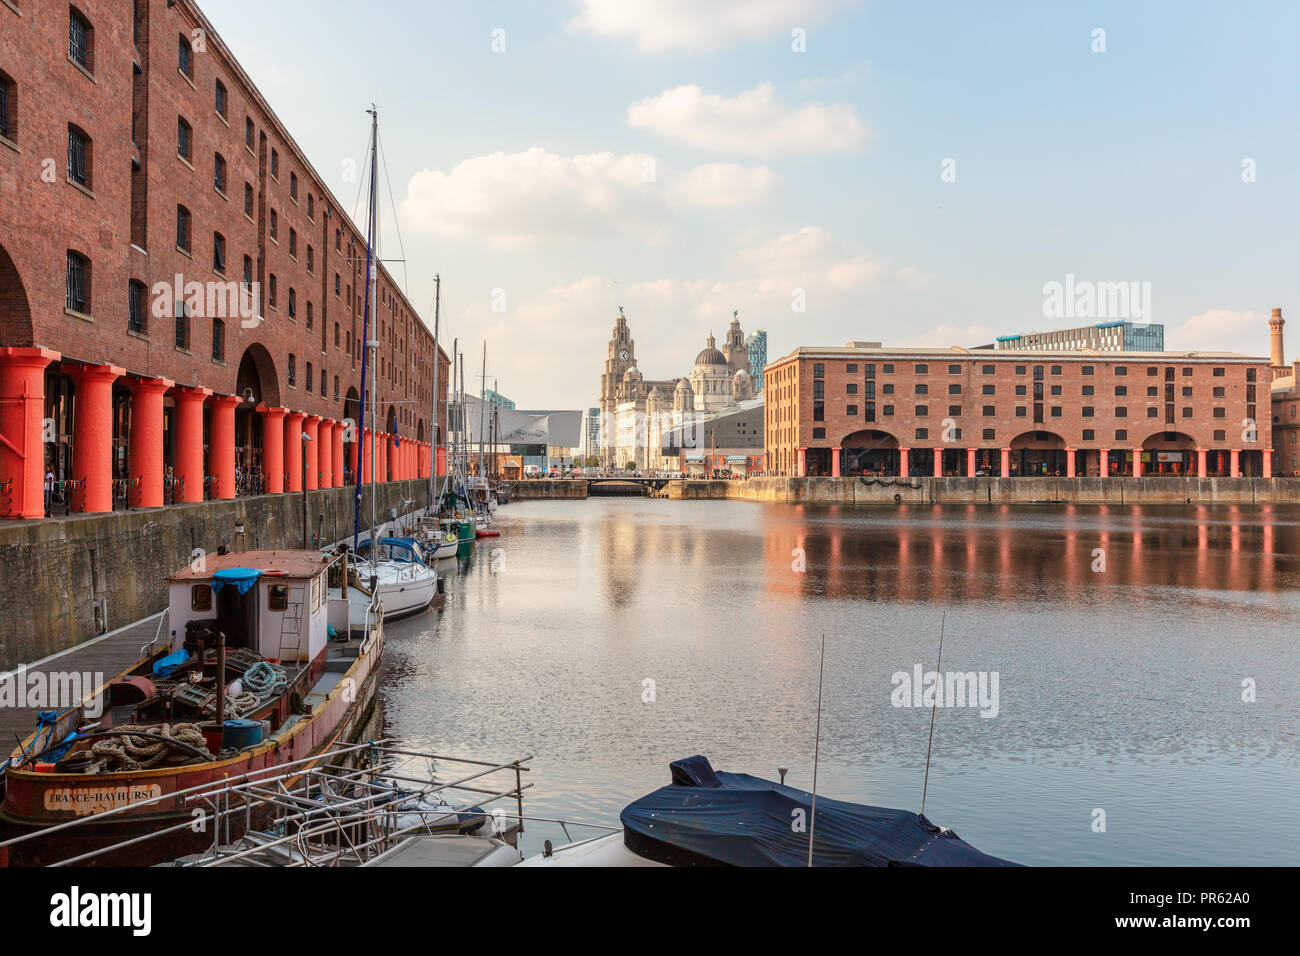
[248, 679]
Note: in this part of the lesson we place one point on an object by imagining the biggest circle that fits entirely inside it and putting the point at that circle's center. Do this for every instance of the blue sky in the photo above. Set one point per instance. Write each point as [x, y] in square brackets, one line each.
[679, 158]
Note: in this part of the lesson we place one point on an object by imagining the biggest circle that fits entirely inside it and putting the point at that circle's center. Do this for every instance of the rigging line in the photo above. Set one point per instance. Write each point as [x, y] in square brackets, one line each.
[406, 281]
[361, 185]
[938, 669]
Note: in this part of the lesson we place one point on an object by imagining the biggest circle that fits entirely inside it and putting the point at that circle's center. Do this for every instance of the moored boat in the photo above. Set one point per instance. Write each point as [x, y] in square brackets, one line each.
[247, 682]
[712, 818]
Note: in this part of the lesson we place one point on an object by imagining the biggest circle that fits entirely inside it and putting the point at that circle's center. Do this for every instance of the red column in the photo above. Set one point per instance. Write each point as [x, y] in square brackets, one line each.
[336, 453]
[1235, 462]
[273, 447]
[293, 451]
[902, 462]
[188, 442]
[1103, 463]
[803, 462]
[1069, 463]
[366, 457]
[145, 451]
[835, 462]
[970, 462]
[442, 460]
[1006, 462]
[22, 446]
[938, 463]
[325, 453]
[1201, 471]
[311, 448]
[1137, 462]
[92, 435]
[1268, 463]
[221, 446]
[381, 457]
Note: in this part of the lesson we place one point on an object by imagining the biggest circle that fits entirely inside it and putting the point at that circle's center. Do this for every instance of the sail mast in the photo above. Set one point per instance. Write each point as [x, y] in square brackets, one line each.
[365, 337]
[433, 460]
[482, 411]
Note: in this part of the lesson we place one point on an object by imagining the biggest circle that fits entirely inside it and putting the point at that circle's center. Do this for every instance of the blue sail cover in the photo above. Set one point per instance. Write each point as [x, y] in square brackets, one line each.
[708, 818]
[242, 579]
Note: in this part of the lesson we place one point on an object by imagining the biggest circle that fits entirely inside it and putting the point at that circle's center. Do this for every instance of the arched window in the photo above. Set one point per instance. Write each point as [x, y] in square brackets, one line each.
[81, 40]
[78, 283]
[79, 156]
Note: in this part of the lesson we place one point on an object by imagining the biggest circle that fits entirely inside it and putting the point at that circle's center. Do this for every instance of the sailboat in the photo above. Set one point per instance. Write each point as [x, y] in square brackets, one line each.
[398, 576]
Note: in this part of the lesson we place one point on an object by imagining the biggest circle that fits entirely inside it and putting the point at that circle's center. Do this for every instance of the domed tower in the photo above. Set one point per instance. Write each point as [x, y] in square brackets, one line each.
[734, 347]
[711, 379]
[742, 386]
[683, 396]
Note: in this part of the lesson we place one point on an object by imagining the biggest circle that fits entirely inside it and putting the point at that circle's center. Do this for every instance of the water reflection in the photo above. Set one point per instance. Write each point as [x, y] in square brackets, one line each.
[1121, 687]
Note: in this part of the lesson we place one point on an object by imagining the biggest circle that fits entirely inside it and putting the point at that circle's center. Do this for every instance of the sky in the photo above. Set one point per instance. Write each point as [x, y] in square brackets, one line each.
[914, 173]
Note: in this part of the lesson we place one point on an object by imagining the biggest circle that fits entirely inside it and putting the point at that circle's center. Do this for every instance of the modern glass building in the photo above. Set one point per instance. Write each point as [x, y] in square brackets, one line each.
[1103, 337]
[757, 345]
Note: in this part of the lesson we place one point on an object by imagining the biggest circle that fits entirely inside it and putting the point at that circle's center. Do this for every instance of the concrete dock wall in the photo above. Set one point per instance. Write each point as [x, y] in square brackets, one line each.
[64, 580]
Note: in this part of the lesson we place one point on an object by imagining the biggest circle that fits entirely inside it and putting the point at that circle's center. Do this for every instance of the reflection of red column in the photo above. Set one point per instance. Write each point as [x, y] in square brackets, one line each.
[188, 443]
[145, 454]
[1235, 462]
[1069, 463]
[1268, 463]
[336, 454]
[311, 448]
[970, 463]
[1006, 462]
[902, 462]
[273, 448]
[221, 446]
[1137, 462]
[293, 451]
[938, 463]
[835, 462]
[92, 435]
[1200, 463]
[803, 462]
[22, 447]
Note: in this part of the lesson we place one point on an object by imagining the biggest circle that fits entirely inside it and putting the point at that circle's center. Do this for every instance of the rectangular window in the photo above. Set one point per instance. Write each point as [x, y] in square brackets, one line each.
[78, 284]
[1089, 435]
[921, 389]
[218, 340]
[888, 370]
[184, 139]
[185, 57]
[923, 433]
[988, 369]
[218, 252]
[1219, 373]
[80, 39]
[922, 411]
[78, 157]
[6, 120]
[135, 316]
[819, 411]
[819, 389]
[819, 370]
[990, 411]
[182, 228]
[954, 389]
[221, 99]
[954, 411]
[851, 410]
[1088, 390]
[219, 172]
[851, 389]
[954, 369]
[922, 370]
[182, 327]
[1121, 434]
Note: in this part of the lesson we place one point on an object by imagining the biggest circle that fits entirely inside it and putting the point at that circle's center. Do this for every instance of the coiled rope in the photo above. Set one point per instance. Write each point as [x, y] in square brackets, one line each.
[139, 747]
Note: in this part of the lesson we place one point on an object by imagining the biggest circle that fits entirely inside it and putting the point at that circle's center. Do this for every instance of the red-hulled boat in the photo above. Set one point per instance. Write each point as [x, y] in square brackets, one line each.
[248, 682]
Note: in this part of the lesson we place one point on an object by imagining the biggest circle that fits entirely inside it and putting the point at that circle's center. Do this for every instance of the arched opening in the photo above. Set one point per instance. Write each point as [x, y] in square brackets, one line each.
[60, 393]
[351, 434]
[1169, 454]
[1038, 453]
[390, 426]
[869, 452]
[15, 314]
[256, 383]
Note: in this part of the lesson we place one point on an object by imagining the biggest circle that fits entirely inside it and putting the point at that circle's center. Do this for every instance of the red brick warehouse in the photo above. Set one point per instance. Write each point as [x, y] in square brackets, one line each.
[137, 158]
[946, 412]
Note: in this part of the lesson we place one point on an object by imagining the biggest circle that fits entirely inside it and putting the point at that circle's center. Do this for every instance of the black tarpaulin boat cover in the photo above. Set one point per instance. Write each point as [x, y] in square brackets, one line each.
[708, 818]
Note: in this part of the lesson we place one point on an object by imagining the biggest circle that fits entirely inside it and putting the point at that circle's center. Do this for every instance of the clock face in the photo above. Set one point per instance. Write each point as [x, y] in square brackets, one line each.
[623, 355]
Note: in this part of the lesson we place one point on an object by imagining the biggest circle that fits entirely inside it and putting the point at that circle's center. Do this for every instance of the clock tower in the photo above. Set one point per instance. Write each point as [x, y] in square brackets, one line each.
[622, 356]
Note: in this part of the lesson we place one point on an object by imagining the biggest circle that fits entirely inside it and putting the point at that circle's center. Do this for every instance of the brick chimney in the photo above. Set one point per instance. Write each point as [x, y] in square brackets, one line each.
[1275, 328]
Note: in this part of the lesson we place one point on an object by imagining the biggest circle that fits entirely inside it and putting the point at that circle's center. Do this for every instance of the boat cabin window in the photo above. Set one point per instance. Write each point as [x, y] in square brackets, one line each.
[277, 597]
[201, 597]
[315, 593]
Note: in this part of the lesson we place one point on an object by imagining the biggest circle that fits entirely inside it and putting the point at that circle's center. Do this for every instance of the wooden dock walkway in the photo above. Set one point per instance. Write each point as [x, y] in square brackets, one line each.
[103, 658]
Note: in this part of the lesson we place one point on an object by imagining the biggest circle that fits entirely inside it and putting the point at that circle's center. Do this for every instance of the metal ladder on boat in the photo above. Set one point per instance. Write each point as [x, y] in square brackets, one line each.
[291, 622]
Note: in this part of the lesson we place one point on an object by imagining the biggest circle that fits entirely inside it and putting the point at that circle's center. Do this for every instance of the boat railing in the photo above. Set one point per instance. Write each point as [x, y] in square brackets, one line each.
[150, 647]
[265, 774]
[333, 813]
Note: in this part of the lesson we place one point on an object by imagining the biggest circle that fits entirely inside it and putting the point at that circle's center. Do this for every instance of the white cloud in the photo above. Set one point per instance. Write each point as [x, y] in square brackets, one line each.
[753, 122]
[696, 25]
[946, 336]
[719, 185]
[1221, 330]
[515, 200]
